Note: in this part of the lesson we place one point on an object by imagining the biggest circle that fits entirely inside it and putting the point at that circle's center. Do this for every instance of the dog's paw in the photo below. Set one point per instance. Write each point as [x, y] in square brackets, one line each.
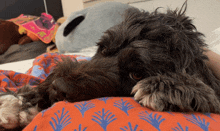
[150, 92]
[12, 111]
[9, 111]
[180, 94]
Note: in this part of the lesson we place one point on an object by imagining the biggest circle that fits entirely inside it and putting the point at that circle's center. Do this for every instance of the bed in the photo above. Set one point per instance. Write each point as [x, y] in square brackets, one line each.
[101, 114]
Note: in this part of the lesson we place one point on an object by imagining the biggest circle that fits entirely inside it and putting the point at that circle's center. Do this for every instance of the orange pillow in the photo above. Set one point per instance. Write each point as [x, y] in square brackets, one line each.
[118, 114]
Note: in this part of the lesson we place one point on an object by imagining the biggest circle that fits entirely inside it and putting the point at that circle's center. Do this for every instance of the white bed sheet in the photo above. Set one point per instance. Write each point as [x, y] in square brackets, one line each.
[25, 65]
[21, 66]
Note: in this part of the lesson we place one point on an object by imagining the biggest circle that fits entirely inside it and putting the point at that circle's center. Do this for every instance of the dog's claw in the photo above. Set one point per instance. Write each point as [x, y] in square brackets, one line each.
[145, 101]
[143, 97]
[139, 94]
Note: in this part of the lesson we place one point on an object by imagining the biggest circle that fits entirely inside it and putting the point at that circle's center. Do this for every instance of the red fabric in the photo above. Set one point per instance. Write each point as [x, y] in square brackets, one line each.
[101, 114]
[42, 66]
[118, 114]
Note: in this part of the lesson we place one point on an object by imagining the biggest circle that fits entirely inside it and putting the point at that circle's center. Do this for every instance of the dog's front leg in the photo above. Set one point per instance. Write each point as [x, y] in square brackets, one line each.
[87, 80]
[85, 88]
[179, 93]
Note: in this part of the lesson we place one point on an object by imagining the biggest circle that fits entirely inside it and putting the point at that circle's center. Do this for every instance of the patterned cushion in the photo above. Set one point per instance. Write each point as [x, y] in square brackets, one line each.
[118, 114]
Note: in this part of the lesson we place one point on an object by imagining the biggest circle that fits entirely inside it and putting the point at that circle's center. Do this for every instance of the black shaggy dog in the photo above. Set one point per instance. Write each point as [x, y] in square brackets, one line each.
[158, 57]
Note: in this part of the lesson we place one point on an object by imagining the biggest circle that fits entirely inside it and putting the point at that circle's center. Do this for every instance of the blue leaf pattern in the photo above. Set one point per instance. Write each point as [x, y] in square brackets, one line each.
[197, 121]
[104, 99]
[84, 106]
[209, 115]
[123, 105]
[5, 72]
[62, 121]
[45, 54]
[9, 82]
[16, 73]
[180, 128]
[171, 113]
[83, 57]
[153, 120]
[33, 81]
[35, 128]
[1, 90]
[129, 128]
[103, 118]
[80, 128]
[37, 71]
[19, 81]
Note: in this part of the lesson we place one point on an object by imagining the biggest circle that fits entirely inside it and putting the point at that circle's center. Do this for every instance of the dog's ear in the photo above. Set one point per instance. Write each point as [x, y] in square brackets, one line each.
[174, 33]
[119, 36]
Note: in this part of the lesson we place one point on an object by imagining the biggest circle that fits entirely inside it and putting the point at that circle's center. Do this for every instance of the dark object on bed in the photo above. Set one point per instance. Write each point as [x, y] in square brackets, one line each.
[9, 35]
[16, 47]
[13, 8]
[156, 56]
[23, 52]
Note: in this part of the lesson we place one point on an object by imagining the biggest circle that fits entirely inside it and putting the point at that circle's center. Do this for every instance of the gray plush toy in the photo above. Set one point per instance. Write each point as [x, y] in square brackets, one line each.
[84, 28]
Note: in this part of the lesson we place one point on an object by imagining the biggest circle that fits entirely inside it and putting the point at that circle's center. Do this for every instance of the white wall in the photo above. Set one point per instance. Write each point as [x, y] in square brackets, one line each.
[70, 6]
[206, 13]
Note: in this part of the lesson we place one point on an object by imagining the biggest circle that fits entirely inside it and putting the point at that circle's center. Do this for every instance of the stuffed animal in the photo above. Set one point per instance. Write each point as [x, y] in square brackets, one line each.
[31, 35]
[84, 28]
[9, 35]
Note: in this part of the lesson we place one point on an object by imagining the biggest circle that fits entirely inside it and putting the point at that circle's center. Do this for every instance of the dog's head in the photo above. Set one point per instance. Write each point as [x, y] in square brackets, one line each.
[169, 38]
[146, 44]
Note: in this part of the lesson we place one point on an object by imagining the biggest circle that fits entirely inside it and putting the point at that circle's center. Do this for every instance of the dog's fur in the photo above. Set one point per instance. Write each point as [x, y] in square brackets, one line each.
[158, 57]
